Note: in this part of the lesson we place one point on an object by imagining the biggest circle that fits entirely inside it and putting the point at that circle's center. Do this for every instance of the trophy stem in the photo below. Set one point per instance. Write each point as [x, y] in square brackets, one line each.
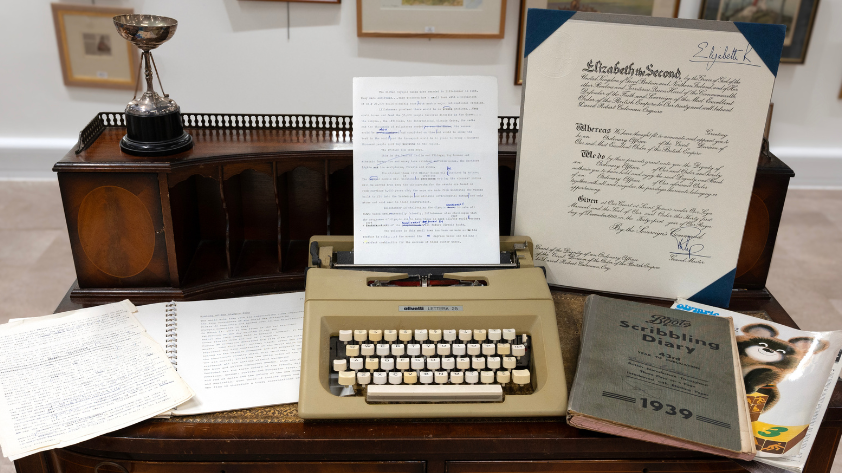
[148, 73]
[158, 76]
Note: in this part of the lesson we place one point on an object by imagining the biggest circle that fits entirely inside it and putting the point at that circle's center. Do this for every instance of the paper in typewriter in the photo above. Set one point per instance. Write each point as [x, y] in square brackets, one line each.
[638, 148]
[425, 170]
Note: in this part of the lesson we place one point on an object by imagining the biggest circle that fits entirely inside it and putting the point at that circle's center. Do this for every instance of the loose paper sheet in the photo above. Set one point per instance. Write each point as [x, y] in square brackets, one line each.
[638, 151]
[237, 353]
[66, 379]
[425, 170]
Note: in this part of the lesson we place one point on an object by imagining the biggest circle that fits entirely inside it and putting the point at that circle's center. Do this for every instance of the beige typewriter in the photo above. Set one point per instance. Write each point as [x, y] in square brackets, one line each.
[424, 341]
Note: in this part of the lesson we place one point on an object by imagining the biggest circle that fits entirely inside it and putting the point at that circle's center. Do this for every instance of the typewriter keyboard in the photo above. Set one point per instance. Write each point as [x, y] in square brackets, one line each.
[420, 366]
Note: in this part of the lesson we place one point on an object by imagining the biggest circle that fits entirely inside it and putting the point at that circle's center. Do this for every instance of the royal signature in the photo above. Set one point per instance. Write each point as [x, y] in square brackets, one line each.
[684, 237]
[712, 54]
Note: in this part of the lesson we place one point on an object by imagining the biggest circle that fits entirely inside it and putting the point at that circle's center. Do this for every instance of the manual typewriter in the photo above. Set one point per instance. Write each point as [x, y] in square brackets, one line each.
[428, 341]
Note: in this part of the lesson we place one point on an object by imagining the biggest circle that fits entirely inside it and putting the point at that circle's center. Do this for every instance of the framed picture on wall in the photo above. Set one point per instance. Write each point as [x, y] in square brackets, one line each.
[431, 18]
[662, 8]
[303, 1]
[796, 15]
[92, 53]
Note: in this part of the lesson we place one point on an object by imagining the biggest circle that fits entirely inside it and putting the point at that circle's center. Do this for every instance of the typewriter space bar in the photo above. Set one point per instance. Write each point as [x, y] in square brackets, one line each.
[414, 393]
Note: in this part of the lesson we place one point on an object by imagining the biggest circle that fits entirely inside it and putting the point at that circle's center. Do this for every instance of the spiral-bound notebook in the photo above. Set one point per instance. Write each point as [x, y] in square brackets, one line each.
[234, 353]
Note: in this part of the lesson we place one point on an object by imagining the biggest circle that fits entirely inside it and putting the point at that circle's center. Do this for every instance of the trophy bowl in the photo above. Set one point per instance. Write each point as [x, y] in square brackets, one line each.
[145, 31]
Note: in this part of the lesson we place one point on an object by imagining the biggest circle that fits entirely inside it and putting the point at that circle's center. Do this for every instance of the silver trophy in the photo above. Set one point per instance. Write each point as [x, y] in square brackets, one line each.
[153, 121]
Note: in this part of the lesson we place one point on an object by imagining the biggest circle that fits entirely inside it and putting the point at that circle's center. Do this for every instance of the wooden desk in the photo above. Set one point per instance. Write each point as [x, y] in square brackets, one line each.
[274, 439]
[265, 185]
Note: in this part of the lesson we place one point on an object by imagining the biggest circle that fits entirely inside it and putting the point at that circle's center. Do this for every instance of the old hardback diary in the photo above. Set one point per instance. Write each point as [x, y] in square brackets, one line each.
[424, 341]
[661, 375]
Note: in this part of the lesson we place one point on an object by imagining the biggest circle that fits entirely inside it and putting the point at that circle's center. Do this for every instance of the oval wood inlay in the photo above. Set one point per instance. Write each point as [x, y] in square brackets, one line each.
[116, 231]
[754, 236]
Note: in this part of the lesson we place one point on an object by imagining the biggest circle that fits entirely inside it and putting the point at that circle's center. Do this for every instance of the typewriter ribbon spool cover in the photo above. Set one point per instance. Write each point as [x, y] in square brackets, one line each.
[516, 299]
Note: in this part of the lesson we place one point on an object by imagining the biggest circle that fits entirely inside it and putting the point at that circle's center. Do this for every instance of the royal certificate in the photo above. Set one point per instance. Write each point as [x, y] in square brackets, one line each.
[639, 145]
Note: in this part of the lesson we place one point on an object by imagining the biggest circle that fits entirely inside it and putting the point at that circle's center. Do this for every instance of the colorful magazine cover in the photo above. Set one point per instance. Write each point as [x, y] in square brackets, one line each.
[789, 377]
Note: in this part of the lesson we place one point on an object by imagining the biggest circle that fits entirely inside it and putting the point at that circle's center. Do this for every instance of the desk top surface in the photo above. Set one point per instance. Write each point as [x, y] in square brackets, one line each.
[269, 430]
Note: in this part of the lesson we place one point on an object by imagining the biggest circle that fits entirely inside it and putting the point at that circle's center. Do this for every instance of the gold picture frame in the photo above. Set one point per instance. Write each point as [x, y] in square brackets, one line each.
[662, 8]
[91, 51]
[431, 18]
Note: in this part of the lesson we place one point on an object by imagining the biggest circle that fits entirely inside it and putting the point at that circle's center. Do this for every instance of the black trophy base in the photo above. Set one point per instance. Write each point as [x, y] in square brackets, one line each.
[160, 148]
[160, 135]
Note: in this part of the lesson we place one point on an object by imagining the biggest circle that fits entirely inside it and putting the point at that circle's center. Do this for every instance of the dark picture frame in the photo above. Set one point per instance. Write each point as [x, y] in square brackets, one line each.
[797, 39]
[525, 4]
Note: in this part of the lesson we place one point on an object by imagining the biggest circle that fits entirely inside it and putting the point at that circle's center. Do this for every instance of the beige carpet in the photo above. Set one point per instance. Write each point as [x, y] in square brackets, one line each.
[37, 267]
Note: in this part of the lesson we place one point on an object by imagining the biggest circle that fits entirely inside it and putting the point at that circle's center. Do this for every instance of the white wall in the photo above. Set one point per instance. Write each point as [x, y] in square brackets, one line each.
[234, 56]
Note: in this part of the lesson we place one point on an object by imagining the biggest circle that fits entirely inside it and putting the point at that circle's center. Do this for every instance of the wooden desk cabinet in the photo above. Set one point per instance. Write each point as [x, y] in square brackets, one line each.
[230, 218]
[233, 215]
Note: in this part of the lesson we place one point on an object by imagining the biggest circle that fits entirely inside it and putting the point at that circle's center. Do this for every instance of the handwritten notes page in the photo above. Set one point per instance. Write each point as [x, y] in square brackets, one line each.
[425, 170]
[237, 353]
[65, 379]
[638, 151]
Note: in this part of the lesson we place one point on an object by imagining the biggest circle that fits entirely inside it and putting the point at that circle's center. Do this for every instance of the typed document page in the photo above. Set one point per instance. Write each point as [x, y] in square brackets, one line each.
[65, 379]
[638, 152]
[240, 353]
[425, 170]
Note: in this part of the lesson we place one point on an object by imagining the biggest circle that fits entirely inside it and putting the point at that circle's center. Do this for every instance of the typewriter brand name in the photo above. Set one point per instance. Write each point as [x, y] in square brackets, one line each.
[429, 308]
